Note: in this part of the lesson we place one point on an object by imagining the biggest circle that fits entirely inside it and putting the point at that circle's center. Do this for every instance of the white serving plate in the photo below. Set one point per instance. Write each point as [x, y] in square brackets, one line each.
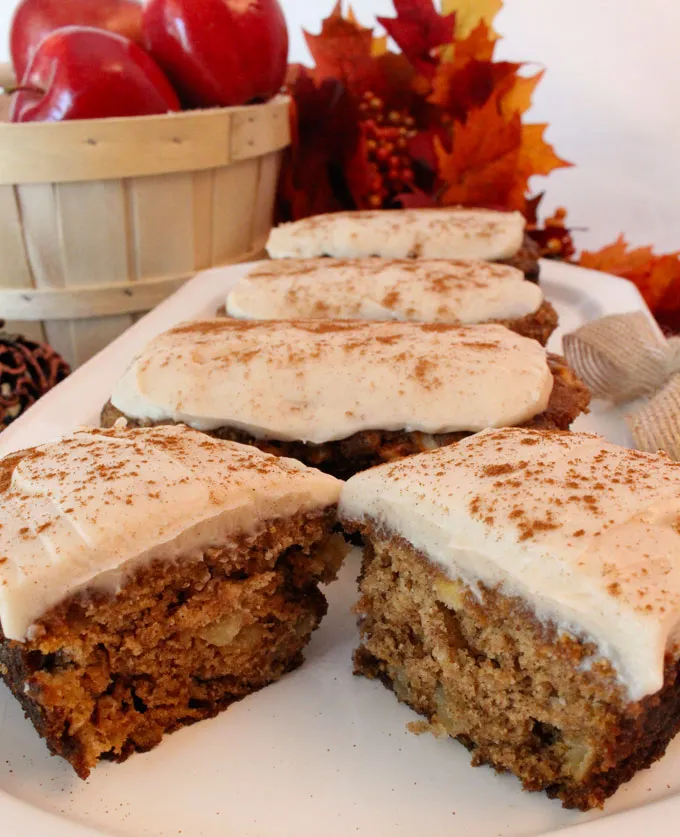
[321, 752]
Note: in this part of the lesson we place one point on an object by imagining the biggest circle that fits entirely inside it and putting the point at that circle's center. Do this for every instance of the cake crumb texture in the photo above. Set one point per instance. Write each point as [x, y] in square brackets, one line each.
[480, 668]
[104, 676]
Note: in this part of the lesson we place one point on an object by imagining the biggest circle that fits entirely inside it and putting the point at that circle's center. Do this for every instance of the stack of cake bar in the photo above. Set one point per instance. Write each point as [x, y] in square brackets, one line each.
[520, 586]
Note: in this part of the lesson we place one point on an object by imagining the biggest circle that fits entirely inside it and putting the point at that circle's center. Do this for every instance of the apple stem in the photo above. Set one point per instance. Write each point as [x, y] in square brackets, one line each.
[23, 88]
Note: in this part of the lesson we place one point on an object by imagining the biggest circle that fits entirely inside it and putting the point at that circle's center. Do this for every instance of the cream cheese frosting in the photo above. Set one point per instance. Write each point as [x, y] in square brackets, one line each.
[587, 533]
[317, 381]
[78, 512]
[425, 290]
[452, 233]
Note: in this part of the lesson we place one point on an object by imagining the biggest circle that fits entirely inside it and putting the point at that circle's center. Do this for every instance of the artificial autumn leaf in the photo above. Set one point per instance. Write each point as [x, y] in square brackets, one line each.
[469, 13]
[417, 199]
[616, 258]
[656, 277]
[343, 51]
[666, 274]
[536, 157]
[519, 97]
[481, 168]
[394, 77]
[326, 133]
[419, 29]
[439, 121]
[479, 44]
[531, 209]
[459, 89]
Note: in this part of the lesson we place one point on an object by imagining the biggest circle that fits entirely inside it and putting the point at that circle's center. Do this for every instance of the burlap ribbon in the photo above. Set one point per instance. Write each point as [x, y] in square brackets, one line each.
[624, 357]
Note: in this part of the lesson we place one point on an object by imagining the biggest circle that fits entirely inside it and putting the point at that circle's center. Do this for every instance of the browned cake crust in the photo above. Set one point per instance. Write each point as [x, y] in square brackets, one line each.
[345, 457]
[506, 686]
[538, 326]
[526, 260]
[104, 676]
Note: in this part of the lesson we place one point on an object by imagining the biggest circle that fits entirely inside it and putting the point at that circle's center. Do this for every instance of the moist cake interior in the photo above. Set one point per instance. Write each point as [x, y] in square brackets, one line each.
[103, 676]
[485, 671]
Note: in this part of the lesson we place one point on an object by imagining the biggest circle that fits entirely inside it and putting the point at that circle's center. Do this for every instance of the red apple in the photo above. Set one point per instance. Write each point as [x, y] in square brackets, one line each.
[34, 19]
[83, 73]
[218, 52]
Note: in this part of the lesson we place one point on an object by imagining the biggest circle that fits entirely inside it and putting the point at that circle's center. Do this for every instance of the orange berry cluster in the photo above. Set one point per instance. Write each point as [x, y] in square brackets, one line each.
[387, 138]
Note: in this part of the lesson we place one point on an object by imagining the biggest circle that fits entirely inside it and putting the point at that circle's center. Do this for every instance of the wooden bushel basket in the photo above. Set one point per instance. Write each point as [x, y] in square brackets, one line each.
[100, 220]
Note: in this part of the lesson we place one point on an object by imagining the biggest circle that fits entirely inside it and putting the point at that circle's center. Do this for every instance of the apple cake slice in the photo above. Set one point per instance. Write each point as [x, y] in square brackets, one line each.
[521, 590]
[151, 577]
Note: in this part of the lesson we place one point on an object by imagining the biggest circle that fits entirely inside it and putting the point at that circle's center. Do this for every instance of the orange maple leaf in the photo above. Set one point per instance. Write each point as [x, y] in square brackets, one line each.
[519, 97]
[479, 43]
[481, 168]
[651, 273]
[657, 277]
[536, 157]
[343, 50]
[616, 258]
[469, 13]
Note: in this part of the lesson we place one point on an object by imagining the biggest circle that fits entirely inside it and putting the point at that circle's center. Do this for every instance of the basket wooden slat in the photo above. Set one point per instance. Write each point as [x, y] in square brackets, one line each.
[102, 253]
[98, 149]
[203, 185]
[239, 179]
[15, 262]
[74, 303]
[113, 215]
[265, 196]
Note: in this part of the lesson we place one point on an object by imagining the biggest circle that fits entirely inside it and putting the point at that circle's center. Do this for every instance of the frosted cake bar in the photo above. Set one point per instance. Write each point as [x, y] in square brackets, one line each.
[450, 233]
[417, 290]
[151, 577]
[343, 396]
[521, 590]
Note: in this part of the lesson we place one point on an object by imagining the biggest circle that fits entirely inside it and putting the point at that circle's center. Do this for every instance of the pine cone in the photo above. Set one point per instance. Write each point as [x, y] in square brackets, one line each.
[27, 371]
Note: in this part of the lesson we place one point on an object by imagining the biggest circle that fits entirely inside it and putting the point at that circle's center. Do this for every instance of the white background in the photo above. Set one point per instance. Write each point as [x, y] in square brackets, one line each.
[611, 96]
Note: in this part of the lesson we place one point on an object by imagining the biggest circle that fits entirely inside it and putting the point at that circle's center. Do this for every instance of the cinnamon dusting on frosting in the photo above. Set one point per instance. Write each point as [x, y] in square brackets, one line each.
[318, 381]
[84, 507]
[425, 290]
[448, 233]
[585, 531]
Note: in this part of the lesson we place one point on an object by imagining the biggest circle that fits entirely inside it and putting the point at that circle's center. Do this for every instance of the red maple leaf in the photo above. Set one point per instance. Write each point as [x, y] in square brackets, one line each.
[417, 199]
[457, 89]
[325, 138]
[419, 29]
